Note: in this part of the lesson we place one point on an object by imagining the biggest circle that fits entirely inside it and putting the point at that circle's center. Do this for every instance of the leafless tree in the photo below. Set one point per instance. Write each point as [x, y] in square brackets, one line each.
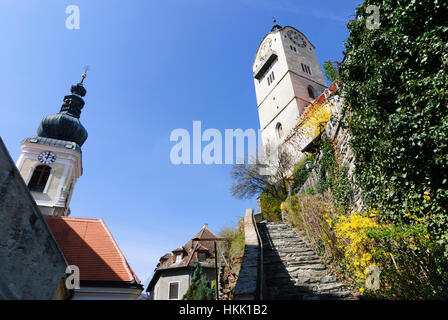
[268, 173]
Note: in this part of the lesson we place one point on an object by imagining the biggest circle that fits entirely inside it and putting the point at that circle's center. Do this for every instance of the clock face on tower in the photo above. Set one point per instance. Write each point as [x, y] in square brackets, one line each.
[296, 38]
[265, 49]
[46, 157]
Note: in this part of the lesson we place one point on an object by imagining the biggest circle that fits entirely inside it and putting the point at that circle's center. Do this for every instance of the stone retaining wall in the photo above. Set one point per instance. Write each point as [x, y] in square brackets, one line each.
[344, 154]
[31, 263]
[246, 287]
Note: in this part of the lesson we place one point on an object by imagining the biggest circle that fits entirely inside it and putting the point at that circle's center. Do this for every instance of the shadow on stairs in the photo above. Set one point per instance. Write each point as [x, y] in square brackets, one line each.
[292, 271]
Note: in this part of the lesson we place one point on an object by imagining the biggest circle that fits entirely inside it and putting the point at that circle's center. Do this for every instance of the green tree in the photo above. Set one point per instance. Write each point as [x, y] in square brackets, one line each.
[200, 288]
[394, 79]
[331, 69]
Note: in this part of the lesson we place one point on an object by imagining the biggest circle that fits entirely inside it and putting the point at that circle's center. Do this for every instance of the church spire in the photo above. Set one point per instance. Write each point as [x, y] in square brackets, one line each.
[66, 125]
[276, 26]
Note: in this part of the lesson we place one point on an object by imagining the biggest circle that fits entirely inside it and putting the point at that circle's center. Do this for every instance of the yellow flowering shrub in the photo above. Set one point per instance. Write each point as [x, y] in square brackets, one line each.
[314, 119]
[411, 263]
[351, 238]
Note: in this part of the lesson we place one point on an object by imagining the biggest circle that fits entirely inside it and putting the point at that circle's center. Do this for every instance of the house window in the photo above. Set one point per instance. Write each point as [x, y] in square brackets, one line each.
[279, 130]
[201, 257]
[178, 258]
[39, 178]
[174, 291]
[311, 92]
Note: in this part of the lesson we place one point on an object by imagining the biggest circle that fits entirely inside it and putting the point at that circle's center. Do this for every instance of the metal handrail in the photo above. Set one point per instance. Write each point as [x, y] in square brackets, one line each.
[260, 261]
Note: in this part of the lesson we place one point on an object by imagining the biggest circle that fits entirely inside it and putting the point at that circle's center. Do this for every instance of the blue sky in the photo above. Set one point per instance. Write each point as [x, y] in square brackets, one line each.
[155, 66]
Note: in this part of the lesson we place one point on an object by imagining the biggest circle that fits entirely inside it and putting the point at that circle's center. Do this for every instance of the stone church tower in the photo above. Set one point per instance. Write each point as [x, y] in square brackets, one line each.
[51, 162]
[287, 78]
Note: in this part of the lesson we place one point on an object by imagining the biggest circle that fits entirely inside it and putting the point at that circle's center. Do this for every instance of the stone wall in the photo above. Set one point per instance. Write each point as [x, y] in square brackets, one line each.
[247, 284]
[31, 263]
[343, 152]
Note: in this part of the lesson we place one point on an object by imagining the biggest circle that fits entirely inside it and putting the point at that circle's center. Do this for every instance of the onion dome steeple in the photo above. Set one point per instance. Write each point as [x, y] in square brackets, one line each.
[66, 125]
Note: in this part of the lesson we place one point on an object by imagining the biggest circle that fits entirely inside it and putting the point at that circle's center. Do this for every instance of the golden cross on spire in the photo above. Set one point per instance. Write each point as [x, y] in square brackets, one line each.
[84, 75]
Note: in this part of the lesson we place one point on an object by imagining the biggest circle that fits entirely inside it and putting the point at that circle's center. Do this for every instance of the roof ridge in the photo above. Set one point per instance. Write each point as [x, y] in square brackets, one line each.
[74, 218]
[123, 259]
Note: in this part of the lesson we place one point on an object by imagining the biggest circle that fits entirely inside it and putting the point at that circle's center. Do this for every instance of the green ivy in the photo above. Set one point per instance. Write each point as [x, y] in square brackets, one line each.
[270, 206]
[334, 177]
[394, 81]
[301, 174]
[331, 71]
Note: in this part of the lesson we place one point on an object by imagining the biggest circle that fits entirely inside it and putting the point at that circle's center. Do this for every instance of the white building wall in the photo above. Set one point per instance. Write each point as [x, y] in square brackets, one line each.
[55, 198]
[162, 287]
[284, 100]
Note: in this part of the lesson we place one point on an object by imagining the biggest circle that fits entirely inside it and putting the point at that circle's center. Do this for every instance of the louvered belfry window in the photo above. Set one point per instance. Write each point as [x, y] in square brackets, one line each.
[39, 178]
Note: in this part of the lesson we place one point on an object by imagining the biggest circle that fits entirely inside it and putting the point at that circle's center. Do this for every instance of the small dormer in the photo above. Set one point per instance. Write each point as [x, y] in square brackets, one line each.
[179, 254]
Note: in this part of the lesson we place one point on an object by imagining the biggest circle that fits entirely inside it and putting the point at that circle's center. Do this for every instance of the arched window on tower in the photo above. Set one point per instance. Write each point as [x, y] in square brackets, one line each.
[311, 92]
[39, 178]
[279, 130]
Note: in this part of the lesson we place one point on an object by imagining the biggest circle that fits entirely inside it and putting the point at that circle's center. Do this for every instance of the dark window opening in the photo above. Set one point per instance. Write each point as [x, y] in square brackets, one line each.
[311, 93]
[279, 130]
[174, 290]
[39, 179]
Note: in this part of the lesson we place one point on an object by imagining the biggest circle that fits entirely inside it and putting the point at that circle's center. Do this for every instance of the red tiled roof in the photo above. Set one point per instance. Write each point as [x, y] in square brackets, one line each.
[88, 244]
[204, 242]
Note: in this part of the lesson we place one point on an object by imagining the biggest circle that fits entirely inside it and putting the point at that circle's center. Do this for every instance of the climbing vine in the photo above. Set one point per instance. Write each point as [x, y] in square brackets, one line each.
[333, 176]
[394, 80]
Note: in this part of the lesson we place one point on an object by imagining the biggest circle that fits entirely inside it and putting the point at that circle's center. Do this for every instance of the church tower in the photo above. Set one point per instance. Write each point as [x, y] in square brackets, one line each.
[51, 162]
[287, 77]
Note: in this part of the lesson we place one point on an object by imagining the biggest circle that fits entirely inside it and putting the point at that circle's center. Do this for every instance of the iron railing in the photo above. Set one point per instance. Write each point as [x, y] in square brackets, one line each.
[259, 293]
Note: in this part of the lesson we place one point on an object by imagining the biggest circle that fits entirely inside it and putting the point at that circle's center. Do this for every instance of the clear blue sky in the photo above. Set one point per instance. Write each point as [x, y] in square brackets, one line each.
[155, 66]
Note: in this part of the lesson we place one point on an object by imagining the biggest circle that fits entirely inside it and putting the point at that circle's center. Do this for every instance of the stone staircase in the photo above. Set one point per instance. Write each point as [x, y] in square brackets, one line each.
[292, 271]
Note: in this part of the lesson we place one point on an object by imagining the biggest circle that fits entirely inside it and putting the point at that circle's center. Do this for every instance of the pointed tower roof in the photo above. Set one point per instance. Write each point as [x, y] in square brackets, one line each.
[65, 125]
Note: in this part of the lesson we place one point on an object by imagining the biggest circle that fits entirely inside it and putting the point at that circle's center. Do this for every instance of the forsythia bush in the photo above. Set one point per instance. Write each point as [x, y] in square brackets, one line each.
[351, 238]
[409, 259]
[315, 119]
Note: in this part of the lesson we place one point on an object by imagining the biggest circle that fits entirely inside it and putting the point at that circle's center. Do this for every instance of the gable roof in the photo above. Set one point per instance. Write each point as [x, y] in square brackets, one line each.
[204, 240]
[88, 244]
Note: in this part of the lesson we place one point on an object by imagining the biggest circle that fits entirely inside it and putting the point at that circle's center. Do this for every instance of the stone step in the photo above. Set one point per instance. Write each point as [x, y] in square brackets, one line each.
[292, 270]
[288, 255]
[330, 287]
[293, 250]
[285, 244]
[314, 280]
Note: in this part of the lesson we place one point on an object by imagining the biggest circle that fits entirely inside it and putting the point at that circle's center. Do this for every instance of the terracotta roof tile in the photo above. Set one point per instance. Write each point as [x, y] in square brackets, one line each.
[88, 244]
[169, 260]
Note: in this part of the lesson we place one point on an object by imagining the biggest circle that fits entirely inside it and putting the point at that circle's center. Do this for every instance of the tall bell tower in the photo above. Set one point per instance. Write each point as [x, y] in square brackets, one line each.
[287, 77]
[51, 162]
